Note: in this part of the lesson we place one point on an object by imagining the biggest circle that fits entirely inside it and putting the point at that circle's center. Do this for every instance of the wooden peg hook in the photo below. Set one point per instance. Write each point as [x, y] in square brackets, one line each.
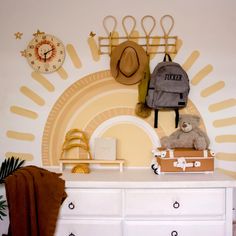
[165, 31]
[143, 24]
[109, 32]
[125, 28]
[163, 18]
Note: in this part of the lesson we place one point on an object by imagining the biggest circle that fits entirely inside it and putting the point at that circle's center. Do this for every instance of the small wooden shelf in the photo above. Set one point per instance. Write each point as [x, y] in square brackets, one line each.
[119, 162]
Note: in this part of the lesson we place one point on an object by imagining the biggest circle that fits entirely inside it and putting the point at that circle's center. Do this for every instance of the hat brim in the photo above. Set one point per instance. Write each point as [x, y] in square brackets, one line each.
[115, 58]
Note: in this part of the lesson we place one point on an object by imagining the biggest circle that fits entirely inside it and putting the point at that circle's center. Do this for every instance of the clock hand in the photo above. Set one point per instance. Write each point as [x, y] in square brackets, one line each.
[48, 51]
[45, 54]
[45, 57]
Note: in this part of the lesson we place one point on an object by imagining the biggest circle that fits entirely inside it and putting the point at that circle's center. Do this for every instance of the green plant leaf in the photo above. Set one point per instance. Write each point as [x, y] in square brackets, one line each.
[2, 213]
[3, 207]
[8, 166]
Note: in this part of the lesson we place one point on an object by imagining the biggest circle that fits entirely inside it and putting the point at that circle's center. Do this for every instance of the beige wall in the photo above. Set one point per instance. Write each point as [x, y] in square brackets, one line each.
[206, 52]
[207, 32]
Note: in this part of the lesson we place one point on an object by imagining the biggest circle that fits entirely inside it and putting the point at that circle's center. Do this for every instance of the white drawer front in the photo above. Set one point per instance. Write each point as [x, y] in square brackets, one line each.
[183, 203]
[175, 228]
[88, 228]
[92, 202]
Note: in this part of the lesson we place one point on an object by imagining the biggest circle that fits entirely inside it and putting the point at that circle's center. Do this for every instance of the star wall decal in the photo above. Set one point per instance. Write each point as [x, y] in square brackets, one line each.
[23, 53]
[18, 35]
[92, 34]
[38, 33]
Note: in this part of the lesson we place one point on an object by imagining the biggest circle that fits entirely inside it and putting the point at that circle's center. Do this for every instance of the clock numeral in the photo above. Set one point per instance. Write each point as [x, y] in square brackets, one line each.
[31, 46]
[36, 40]
[44, 37]
[61, 52]
[59, 60]
[54, 67]
[32, 62]
[58, 44]
[30, 55]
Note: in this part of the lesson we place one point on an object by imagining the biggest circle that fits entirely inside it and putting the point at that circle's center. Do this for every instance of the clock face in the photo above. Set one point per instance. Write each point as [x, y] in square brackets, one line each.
[45, 53]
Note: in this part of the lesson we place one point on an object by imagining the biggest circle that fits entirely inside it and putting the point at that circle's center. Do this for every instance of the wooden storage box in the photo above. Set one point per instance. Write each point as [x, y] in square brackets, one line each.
[183, 160]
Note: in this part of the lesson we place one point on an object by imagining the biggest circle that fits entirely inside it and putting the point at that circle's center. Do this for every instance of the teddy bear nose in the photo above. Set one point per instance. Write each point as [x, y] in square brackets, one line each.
[184, 125]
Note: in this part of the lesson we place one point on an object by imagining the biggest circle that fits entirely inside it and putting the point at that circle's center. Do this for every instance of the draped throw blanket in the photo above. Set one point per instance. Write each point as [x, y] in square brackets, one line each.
[34, 197]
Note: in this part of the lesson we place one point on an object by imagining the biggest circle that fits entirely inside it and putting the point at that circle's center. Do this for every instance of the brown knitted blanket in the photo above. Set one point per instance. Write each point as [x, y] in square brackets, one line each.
[34, 197]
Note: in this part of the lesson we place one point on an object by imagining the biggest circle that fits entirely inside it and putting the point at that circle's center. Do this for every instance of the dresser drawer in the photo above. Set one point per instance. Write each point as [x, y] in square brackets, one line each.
[88, 228]
[175, 228]
[92, 203]
[181, 203]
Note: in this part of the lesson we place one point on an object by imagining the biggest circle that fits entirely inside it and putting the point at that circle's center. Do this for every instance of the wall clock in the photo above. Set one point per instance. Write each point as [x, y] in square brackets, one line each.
[45, 53]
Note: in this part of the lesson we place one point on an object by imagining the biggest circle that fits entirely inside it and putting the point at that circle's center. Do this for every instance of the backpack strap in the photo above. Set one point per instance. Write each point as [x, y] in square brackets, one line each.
[156, 118]
[176, 118]
[167, 56]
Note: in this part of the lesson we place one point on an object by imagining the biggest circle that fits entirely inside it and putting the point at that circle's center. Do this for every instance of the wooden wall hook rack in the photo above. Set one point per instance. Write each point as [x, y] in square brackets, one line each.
[152, 44]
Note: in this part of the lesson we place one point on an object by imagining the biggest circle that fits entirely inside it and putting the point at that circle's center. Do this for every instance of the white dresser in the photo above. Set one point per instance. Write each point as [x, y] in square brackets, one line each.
[140, 203]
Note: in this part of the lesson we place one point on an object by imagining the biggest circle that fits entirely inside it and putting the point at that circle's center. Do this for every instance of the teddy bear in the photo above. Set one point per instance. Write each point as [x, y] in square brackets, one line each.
[189, 135]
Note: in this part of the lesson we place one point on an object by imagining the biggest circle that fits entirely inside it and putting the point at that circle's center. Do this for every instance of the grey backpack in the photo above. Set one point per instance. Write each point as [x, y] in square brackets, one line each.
[168, 88]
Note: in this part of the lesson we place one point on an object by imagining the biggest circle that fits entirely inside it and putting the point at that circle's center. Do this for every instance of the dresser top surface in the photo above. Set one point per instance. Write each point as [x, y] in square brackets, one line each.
[145, 178]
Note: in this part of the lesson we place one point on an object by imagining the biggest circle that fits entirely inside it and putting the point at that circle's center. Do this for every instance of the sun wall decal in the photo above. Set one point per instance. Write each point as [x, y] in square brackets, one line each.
[96, 101]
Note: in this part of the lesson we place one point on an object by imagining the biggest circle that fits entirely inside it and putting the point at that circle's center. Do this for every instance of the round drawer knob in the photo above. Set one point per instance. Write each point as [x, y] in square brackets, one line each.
[71, 234]
[176, 205]
[174, 233]
[71, 206]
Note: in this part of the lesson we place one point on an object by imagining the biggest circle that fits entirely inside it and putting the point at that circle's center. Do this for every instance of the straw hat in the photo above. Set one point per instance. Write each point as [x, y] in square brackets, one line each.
[128, 63]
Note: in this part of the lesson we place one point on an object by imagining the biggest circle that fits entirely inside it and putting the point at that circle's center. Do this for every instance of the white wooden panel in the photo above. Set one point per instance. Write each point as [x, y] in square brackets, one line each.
[92, 202]
[88, 228]
[204, 203]
[174, 228]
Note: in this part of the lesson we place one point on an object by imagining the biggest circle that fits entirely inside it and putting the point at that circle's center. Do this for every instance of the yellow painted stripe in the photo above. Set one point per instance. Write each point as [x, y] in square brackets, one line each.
[115, 35]
[135, 34]
[23, 112]
[190, 60]
[228, 138]
[93, 48]
[179, 44]
[152, 50]
[224, 122]
[227, 172]
[222, 105]
[73, 55]
[20, 135]
[43, 81]
[213, 89]
[226, 156]
[22, 156]
[32, 95]
[106, 45]
[201, 74]
[62, 73]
